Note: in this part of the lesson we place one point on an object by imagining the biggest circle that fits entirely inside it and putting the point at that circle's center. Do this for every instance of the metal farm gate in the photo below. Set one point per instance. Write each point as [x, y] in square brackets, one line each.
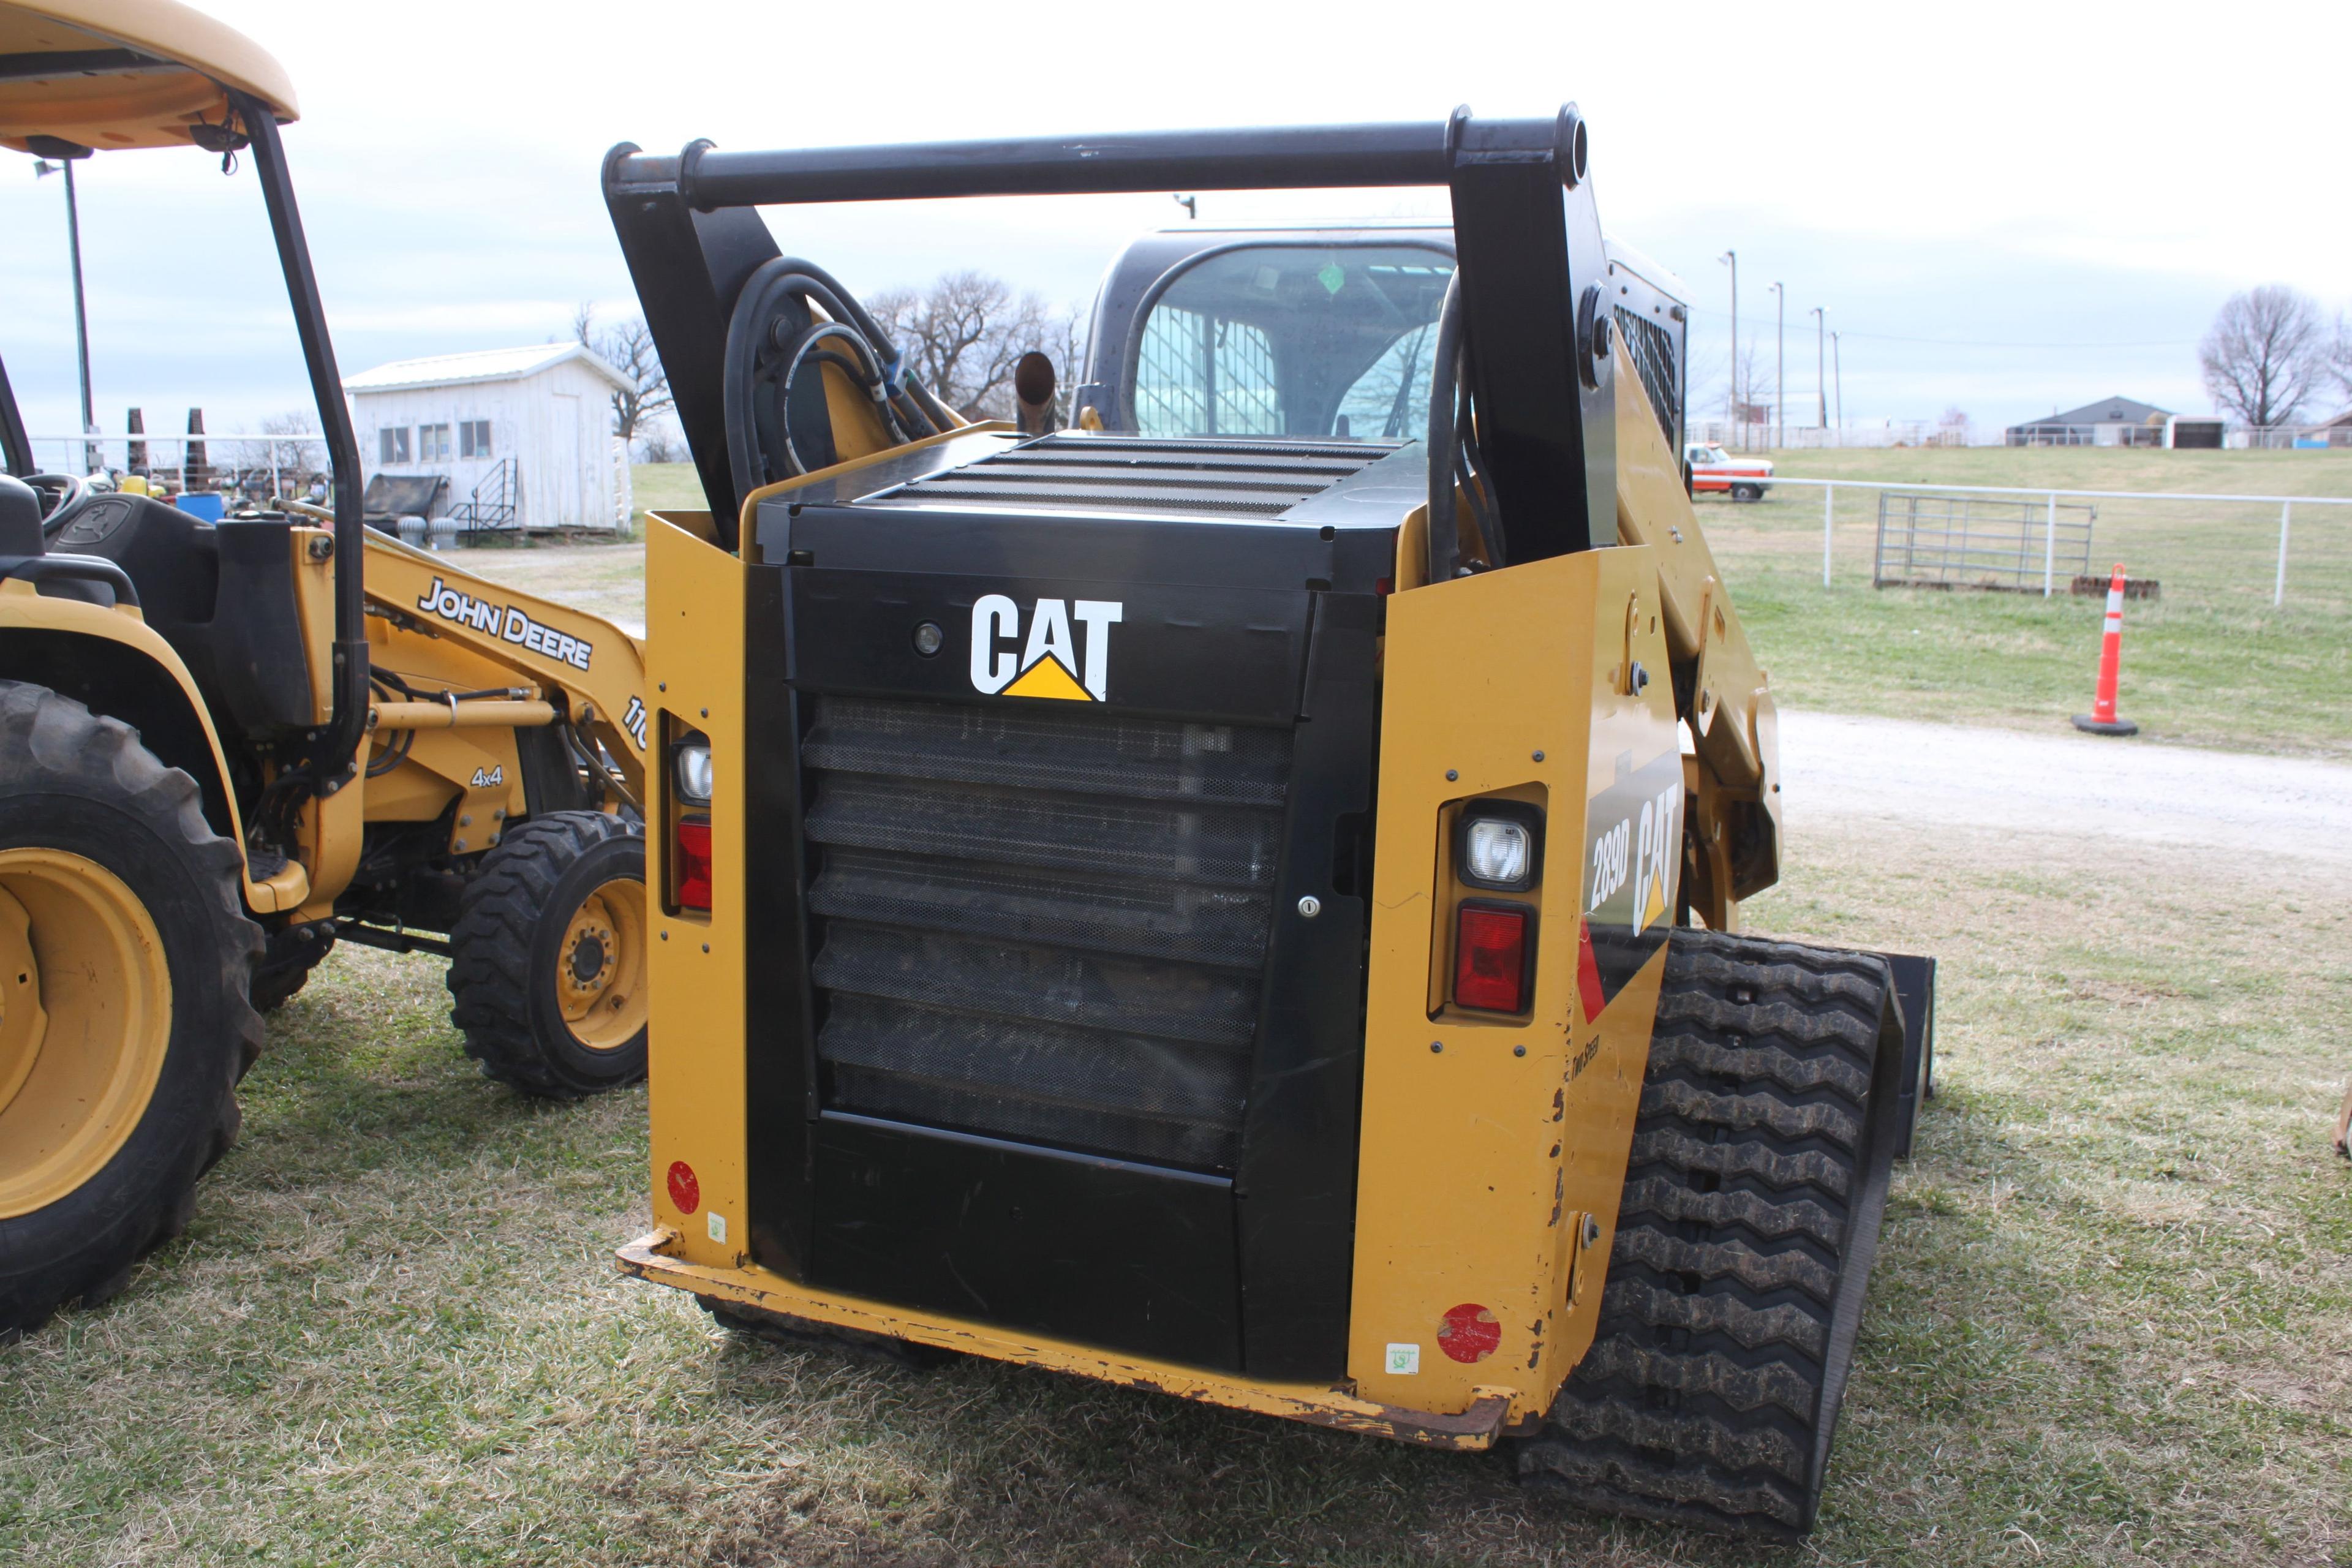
[1973, 542]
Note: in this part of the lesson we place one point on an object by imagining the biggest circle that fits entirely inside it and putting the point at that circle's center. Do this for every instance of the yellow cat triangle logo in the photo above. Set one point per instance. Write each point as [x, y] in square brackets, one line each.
[1657, 904]
[1049, 678]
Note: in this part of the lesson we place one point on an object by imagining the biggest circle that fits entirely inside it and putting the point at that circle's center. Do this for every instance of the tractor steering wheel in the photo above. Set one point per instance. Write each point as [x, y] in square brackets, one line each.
[65, 494]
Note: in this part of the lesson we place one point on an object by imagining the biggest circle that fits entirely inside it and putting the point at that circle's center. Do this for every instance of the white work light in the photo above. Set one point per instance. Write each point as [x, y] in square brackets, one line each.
[1497, 853]
[693, 771]
[1498, 844]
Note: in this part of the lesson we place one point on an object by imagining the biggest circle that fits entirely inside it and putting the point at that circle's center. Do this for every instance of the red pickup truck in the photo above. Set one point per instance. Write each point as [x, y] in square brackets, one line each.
[1712, 468]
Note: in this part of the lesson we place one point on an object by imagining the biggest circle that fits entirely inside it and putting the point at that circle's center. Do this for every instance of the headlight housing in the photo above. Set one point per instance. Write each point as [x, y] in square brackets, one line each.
[691, 769]
[1498, 844]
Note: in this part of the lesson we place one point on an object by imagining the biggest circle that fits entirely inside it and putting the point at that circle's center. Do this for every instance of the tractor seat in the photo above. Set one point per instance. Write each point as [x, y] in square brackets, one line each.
[24, 555]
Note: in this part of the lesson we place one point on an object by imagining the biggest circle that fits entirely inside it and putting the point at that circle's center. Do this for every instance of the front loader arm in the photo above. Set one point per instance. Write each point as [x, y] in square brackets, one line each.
[1734, 833]
[590, 673]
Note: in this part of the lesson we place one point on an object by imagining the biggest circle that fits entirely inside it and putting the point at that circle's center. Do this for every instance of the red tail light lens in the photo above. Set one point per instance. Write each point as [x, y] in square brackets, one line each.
[1490, 959]
[694, 865]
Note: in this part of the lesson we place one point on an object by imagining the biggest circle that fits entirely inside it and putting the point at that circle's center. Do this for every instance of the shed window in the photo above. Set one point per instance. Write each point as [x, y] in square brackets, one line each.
[391, 444]
[433, 443]
[473, 438]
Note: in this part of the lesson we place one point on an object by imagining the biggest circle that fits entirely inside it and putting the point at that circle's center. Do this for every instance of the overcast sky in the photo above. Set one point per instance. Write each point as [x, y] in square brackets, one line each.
[2002, 209]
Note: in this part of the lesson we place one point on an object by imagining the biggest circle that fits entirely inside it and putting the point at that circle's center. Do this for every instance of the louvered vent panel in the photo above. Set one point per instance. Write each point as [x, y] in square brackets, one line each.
[1041, 926]
[1117, 473]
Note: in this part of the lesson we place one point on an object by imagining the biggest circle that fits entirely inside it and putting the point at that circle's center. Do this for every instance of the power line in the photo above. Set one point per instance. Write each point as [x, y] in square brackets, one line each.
[1981, 343]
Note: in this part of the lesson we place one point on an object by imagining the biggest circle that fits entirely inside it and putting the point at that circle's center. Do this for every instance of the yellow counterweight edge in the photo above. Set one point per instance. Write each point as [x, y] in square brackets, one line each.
[654, 1257]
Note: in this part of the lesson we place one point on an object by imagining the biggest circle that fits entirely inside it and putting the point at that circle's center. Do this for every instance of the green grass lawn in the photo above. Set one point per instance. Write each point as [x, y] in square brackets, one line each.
[2210, 662]
[2112, 1322]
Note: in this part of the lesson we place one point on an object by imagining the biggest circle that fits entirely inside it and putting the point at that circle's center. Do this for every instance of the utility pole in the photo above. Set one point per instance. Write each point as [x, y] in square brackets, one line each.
[66, 153]
[1837, 375]
[1737, 413]
[1822, 367]
[1780, 369]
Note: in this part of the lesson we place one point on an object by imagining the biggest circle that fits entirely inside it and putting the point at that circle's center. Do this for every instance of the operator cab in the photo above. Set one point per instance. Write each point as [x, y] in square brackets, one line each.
[1329, 334]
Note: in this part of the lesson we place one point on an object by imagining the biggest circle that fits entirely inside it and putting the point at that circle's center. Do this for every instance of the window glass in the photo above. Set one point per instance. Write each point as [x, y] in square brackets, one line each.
[1296, 340]
[474, 439]
[391, 444]
[432, 443]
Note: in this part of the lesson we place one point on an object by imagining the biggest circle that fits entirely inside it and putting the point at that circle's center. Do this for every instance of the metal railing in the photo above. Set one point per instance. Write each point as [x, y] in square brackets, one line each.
[2287, 505]
[1928, 540]
[494, 502]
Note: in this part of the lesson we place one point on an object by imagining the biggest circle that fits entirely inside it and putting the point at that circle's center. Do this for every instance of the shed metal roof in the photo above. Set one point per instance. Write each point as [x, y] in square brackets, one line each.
[480, 365]
[2115, 410]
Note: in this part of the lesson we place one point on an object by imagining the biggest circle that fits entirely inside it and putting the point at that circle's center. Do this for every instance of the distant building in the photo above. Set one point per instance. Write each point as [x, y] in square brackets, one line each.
[517, 438]
[2110, 422]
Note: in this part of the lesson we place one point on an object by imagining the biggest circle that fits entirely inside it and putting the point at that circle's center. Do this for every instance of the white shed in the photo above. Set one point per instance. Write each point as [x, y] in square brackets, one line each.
[524, 437]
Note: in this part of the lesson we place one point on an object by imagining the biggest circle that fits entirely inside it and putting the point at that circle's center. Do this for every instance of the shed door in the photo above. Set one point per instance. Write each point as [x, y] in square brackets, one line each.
[565, 448]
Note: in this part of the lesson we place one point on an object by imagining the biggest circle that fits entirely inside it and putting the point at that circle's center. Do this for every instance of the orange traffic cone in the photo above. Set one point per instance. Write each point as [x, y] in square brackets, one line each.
[2102, 719]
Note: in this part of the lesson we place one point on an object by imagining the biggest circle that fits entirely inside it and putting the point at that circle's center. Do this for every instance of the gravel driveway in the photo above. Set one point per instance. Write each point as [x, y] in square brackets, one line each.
[2065, 781]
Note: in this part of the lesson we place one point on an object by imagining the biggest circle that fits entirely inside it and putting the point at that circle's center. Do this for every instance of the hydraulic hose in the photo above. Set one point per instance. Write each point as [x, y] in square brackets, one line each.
[774, 331]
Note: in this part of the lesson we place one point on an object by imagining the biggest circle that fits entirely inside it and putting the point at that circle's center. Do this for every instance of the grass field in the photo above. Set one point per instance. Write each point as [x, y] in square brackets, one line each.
[2112, 1322]
[2210, 662]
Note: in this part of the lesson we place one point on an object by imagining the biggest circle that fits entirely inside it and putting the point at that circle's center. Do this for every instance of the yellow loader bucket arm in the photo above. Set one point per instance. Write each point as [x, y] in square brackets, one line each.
[589, 672]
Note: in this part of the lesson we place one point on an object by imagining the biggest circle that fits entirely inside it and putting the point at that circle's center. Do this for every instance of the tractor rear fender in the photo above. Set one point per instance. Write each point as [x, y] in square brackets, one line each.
[113, 663]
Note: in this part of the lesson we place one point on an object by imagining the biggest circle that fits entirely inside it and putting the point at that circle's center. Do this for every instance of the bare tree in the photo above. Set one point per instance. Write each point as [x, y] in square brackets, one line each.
[2339, 355]
[2263, 354]
[629, 349]
[292, 451]
[1745, 404]
[963, 334]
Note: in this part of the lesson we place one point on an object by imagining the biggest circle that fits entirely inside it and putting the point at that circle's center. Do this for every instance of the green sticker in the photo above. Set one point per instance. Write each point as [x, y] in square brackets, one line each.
[1334, 277]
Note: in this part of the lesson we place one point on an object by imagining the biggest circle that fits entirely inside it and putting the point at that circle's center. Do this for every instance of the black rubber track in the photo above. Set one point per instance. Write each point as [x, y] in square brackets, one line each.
[73, 780]
[510, 923]
[1751, 1213]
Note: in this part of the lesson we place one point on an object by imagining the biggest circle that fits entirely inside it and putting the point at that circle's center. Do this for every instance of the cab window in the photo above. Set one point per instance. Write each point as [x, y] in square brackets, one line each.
[1292, 339]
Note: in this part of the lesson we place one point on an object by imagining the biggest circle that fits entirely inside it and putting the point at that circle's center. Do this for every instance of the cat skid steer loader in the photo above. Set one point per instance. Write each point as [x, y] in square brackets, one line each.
[1231, 904]
[225, 747]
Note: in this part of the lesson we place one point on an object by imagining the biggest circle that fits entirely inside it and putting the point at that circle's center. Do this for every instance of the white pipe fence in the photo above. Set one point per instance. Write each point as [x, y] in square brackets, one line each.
[2287, 505]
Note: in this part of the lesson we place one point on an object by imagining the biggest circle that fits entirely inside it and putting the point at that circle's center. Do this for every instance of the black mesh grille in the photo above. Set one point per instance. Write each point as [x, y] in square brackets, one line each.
[1123, 473]
[1043, 926]
[1653, 350]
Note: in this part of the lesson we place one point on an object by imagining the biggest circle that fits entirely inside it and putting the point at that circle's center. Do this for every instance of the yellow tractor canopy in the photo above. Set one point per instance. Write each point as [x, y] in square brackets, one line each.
[110, 74]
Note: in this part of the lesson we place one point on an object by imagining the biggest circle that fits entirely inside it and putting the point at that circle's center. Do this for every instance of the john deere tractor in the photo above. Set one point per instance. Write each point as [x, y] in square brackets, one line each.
[225, 747]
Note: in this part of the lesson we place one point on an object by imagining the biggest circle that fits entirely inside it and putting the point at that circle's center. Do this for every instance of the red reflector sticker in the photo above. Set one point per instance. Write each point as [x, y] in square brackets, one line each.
[683, 1190]
[1490, 959]
[1587, 974]
[1469, 1333]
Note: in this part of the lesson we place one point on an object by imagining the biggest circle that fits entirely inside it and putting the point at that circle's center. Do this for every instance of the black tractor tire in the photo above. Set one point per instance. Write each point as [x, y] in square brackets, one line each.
[75, 781]
[1753, 1198]
[1746, 492]
[513, 921]
[803, 1333]
[287, 961]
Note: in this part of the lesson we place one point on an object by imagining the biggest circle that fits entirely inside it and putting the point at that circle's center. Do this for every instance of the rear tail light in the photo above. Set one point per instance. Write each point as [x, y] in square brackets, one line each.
[694, 865]
[1490, 958]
